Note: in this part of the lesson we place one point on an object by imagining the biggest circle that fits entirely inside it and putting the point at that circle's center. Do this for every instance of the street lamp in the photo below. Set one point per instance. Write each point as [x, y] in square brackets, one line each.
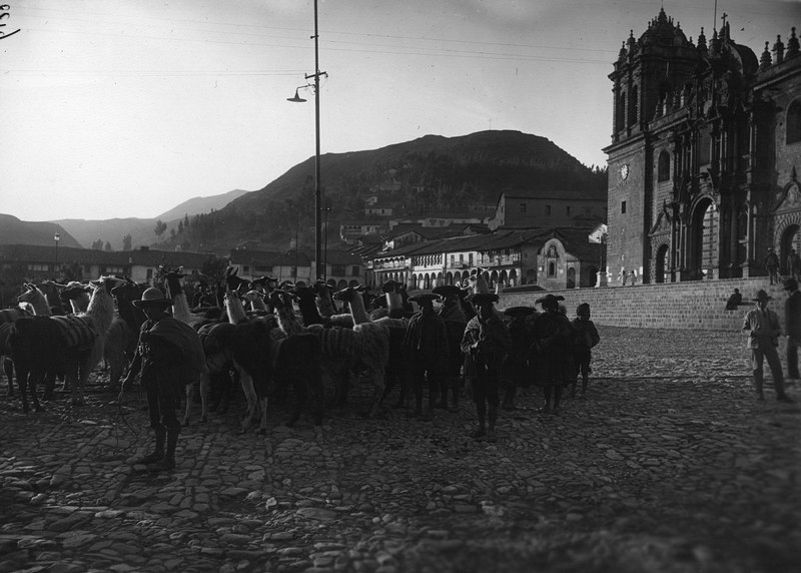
[56, 238]
[318, 197]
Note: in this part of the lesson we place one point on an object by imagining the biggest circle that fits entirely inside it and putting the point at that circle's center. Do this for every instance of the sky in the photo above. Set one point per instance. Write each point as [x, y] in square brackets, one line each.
[126, 108]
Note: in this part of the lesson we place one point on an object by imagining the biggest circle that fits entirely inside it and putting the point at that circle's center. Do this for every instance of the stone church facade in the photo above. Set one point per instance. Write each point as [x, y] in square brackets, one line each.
[705, 154]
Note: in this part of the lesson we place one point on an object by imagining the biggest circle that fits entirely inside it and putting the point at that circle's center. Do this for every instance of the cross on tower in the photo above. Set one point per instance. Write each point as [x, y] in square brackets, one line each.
[724, 19]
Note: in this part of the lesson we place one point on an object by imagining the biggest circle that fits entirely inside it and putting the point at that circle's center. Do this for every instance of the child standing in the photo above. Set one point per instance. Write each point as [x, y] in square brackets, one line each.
[585, 336]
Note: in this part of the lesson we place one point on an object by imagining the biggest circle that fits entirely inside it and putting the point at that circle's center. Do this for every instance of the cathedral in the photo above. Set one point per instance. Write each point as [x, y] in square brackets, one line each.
[705, 155]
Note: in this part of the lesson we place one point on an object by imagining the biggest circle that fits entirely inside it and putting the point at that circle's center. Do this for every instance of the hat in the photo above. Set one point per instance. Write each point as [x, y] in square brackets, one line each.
[549, 300]
[448, 290]
[583, 308]
[152, 297]
[762, 295]
[424, 296]
[790, 284]
[515, 311]
[481, 298]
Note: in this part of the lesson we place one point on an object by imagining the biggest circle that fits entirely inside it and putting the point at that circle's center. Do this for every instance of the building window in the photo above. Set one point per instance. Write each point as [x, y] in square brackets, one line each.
[623, 207]
[547, 209]
[263, 268]
[551, 269]
[338, 270]
[149, 274]
[245, 269]
[470, 259]
[794, 122]
[663, 169]
[522, 207]
[355, 271]
[633, 116]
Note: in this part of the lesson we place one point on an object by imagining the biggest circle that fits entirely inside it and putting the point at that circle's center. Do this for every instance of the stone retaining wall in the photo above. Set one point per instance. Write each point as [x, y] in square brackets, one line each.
[696, 304]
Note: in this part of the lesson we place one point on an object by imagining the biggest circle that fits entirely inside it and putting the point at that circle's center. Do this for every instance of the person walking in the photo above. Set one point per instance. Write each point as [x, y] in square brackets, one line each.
[763, 339]
[169, 355]
[485, 343]
[426, 346]
[792, 321]
[772, 266]
[517, 372]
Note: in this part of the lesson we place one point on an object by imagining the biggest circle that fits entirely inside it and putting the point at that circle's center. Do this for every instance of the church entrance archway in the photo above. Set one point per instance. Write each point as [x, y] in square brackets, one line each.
[791, 240]
[661, 263]
[706, 228]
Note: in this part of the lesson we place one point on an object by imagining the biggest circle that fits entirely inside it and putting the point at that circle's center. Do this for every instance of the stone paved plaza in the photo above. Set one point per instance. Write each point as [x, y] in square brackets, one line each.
[668, 465]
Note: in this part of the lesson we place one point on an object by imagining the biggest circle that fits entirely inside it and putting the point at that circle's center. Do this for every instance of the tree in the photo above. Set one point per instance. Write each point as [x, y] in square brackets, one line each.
[172, 233]
[126, 242]
[161, 226]
[180, 227]
[97, 245]
[108, 246]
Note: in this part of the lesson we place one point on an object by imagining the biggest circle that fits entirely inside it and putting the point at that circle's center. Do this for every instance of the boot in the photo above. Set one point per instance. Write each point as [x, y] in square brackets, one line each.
[158, 452]
[167, 462]
[758, 382]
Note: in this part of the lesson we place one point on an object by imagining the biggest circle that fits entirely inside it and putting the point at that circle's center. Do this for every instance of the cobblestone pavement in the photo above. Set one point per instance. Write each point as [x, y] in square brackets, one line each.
[669, 465]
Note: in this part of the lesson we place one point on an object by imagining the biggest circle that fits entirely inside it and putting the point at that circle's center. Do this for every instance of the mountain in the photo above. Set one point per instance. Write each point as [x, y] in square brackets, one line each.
[14, 231]
[429, 175]
[142, 231]
[197, 205]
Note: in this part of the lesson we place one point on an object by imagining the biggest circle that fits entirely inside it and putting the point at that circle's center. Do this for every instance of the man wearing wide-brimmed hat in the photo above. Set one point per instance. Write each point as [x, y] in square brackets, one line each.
[552, 334]
[426, 345]
[453, 313]
[163, 393]
[485, 343]
[763, 339]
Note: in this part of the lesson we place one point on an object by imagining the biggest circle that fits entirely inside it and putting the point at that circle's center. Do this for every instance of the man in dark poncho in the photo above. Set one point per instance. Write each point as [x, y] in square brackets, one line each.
[426, 345]
[169, 355]
[485, 343]
[552, 335]
[455, 319]
[517, 371]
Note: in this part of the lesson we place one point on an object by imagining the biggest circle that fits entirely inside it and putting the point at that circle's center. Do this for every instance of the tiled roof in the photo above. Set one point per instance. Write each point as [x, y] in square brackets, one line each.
[270, 258]
[565, 194]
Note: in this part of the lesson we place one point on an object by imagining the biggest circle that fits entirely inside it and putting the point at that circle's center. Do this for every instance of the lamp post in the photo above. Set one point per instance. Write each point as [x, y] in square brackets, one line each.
[56, 238]
[318, 197]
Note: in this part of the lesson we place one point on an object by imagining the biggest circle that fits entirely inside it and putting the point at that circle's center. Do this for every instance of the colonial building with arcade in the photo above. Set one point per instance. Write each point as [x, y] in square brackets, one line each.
[705, 155]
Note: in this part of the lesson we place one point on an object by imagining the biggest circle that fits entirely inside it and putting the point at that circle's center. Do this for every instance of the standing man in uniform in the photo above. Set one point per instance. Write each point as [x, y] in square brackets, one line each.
[169, 355]
[763, 339]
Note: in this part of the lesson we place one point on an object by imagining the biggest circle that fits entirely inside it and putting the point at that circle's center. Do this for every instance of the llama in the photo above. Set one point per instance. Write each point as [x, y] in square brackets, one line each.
[69, 344]
[52, 292]
[37, 302]
[324, 301]
[372, 343]
[123, 332]
[337, 345]
[77, 295]
[36, 298]
[290, 360]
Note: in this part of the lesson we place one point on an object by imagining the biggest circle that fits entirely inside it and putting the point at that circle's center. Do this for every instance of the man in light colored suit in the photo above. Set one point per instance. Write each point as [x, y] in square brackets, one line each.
[763, 339]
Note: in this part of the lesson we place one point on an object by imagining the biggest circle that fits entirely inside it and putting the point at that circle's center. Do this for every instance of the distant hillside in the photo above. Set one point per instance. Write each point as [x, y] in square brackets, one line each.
[14, 231]
[432, 174]
[197, 205]
[142, 231]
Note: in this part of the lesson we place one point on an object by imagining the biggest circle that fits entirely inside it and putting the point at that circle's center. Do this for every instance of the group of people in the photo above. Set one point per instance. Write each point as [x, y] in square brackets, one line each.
[496, 352]
[792, 265]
